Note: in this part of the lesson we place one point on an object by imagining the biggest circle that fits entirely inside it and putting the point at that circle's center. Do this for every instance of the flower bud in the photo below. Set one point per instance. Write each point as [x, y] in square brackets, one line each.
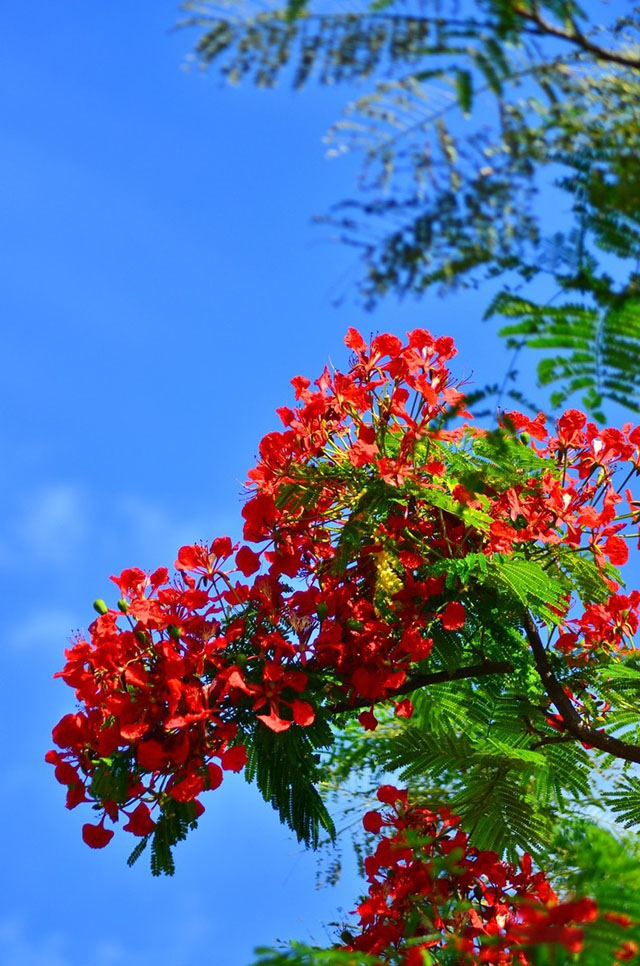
[322, 610]
[123, 606]
[100, 606]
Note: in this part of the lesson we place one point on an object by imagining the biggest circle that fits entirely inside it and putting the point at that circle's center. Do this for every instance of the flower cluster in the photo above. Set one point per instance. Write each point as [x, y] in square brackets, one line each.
[429, 889]
[358, 511]
[156, 704]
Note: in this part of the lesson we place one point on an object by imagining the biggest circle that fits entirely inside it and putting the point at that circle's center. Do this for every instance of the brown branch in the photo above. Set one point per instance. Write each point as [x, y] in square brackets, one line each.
[571, 719]
[576, 37]
[422, 680]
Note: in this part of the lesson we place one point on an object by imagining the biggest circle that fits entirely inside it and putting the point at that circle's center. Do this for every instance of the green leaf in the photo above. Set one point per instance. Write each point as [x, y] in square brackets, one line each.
[464, 90]
[286, 769]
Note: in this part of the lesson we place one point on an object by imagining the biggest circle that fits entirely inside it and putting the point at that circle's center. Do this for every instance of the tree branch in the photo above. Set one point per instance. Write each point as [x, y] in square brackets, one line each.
[571, 719]
[575, 37]
[422, 680]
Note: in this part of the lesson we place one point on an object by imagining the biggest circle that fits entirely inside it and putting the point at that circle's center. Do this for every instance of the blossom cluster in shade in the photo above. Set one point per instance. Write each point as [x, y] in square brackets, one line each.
[429, 889]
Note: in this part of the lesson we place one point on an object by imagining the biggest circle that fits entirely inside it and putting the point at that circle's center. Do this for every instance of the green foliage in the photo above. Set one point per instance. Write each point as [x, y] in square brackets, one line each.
[286, 769]
[489, 751]
[332, 46]
[586, 577]
[111, 779]
[173, 825]
[469, 112]
[597, 349]
[299, 954]
[587, 858]
[530, 585]
[624, 801]
[619, 684]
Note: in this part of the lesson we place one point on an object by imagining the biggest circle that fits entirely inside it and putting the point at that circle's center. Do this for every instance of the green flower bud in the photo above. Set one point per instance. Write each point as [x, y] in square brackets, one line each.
[322, 610]
[122, 604]
[354, 625]
[100, 606]
[174, 632]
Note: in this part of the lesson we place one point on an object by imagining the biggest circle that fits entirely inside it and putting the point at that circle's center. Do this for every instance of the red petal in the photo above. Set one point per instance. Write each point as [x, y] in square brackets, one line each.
[234, 759]
[214, 773]
[303, 713]
[152, 755]
[453, 616]
[353, 340]
[404, 709]
[387, 345]
[140, 821]
[273, 722]
[222, 547]
[66, 774]
[368, 720]
[96, 836]
[389, 794]
[135, 731]
[247, 561]
[372, 822]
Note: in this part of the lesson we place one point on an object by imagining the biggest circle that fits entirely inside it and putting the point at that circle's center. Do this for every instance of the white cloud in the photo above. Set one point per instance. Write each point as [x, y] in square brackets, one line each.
[21, 946]
[109, 953]
[66, 526]
[52, 523]
[20, 949]
[158, 534]
[45, 628]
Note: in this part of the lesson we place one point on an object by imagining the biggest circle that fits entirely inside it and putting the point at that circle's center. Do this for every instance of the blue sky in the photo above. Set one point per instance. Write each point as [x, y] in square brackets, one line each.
[161, 283]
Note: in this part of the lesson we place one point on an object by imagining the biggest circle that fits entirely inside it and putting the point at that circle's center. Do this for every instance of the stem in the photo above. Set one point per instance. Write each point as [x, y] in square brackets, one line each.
[571, 719]
[422, 680]
[576, 37]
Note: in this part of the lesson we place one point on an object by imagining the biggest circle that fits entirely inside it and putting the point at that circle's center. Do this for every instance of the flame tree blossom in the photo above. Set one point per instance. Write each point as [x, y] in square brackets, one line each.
[388, 542]
[429, 890]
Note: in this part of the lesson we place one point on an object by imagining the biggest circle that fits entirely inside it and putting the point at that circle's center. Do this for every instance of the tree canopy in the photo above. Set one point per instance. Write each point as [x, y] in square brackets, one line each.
[470, 109]
[423, 597]
[428, 618]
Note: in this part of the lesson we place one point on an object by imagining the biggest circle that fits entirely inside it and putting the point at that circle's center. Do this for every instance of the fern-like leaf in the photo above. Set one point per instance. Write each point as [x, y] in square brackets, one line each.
[286, 769]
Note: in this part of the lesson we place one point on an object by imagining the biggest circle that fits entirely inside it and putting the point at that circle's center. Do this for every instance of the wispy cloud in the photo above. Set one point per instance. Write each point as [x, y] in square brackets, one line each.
[157, 532]
[62, 523]
[19, 948]
[51, 523]
[43, 628]
[59, 533]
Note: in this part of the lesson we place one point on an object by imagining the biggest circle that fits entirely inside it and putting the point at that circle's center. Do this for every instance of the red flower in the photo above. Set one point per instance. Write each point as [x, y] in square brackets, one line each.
[389, 794]
[247, 561]
[365, 449]
[152, 756]
[616, 550]
[453, 616]
[140, 821]
[368, 720]
[190, 787]
[404, 709]
[96, 836]
[234, 759]
[353, 340]
[372, 822]
[303, 713]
